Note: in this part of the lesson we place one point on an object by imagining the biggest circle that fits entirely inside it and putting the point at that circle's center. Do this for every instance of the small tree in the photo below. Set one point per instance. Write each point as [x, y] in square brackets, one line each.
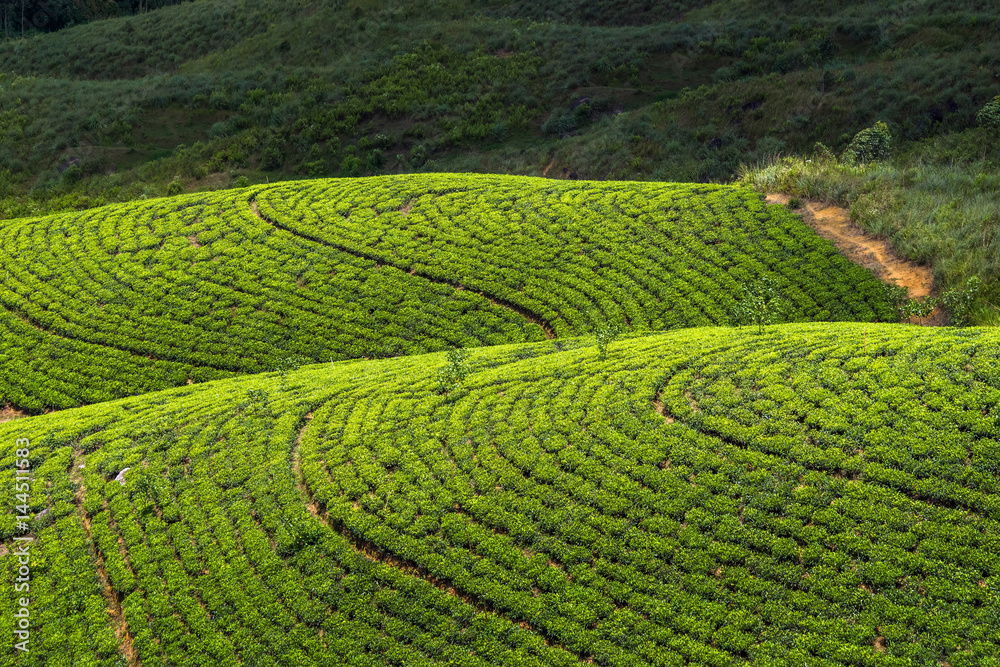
[453, 375]
[870, 144]
[918, 309]
[604, 336]
[898, 299]
[761, 305]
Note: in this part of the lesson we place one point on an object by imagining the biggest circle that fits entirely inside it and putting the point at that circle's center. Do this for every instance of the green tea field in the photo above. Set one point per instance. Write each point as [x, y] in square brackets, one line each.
[132, 298]
[822, 494]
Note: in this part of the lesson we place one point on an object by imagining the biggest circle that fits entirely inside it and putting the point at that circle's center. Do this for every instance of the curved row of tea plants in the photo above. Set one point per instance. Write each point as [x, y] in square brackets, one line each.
[699, 497]
[646, 255]
[200, 287]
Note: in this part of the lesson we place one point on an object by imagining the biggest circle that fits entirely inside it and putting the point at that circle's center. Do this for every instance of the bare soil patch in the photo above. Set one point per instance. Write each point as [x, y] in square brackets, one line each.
[662, 410]
[834, 223]
[7, 413]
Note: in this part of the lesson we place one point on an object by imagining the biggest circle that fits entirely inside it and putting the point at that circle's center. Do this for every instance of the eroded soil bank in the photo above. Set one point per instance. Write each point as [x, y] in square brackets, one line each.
[834, 223]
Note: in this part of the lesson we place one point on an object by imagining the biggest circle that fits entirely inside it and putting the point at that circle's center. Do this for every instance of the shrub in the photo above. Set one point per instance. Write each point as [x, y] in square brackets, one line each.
[989, 115]
[418, 156]
[174, 188]
[959, 301]
[823, 152]
[604, 336]
[454, 373]
[870, 144]
[761, 305]
[241, 182]
[918, 309]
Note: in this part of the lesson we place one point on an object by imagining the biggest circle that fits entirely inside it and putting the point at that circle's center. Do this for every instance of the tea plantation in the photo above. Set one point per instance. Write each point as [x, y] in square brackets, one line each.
[821, 494]
[138, 297]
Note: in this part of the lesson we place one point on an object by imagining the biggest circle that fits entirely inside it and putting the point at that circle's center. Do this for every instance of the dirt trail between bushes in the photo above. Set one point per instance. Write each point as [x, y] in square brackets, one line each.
[834, 223]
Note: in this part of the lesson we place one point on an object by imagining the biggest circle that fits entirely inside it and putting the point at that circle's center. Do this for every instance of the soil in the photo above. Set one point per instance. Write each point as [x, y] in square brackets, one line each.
[546, 171]
[877, 255]
[8, 413]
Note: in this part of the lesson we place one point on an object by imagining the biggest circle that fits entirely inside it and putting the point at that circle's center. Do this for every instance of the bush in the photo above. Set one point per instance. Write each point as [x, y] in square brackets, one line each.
[451, 376]
[870, 144]
[989, 115]
[241, 182]
[604, 337]
[761, 305]
[959, 301]
[418, 156]
[175, 188]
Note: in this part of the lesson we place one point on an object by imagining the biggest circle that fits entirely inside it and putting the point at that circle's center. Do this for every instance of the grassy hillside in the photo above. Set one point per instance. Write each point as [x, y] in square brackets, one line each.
[938, 201]
[820, 494]
[200, 92]
[125, 299]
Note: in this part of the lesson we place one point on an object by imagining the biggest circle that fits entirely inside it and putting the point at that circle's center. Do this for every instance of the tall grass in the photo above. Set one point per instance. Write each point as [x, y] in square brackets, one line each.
[938, 203]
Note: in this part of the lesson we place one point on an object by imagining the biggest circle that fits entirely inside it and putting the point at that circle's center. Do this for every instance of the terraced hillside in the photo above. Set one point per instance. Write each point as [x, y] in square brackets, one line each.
[132, 298]
[820, 494]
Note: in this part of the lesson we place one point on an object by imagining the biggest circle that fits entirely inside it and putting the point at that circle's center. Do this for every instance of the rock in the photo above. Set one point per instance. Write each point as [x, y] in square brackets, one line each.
[121, 476]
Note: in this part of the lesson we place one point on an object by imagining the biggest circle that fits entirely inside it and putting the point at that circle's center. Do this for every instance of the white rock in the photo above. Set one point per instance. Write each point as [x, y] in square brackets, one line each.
[121, 476]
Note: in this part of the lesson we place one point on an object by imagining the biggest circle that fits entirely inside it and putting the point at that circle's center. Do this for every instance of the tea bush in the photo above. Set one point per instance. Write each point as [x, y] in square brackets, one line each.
[823, 494]
[132, 298]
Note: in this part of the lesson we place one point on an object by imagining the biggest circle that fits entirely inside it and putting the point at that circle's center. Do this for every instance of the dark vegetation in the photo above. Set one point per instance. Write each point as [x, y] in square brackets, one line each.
[199, 93]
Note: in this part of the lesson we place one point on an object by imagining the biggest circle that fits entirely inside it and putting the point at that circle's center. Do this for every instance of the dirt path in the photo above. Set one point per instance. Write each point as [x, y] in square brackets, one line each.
[546, 171]
[834, 223]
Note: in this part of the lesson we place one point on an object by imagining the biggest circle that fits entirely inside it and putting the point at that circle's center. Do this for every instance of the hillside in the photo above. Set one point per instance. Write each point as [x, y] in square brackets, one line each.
[126, 299]
[201, 92]
[822, 494]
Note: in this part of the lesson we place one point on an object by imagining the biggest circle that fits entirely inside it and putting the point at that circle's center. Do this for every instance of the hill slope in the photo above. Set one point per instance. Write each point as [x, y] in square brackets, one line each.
[126, 299]
[821, 494]
[666, 90]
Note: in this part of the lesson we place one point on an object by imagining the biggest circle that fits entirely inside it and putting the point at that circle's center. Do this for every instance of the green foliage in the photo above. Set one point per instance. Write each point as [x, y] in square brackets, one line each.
[869, 145]
[936, 202]
[199, 287]
[418, 156]
[175, 188]
[241, 182]
[453, 374]
[989, 115]
[960, 300]
[826, 494]
[261, 87]
[604, 336]
[823, 152]
[919, 309]
[762, 304]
